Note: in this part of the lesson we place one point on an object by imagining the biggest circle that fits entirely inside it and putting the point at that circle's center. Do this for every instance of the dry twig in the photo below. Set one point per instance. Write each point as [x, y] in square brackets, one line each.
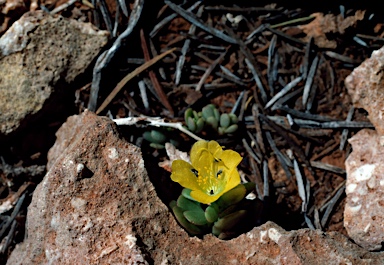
[105, 58]
[128, 77]
[157, 122]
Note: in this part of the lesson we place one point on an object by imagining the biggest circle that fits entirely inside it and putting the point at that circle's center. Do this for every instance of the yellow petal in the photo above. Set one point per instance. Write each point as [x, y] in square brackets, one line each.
[231, 159]
[204, 198]
[203, 161]
[215, 149]
[233, 180]
[182, 173]
[196, 150]
[212, 173]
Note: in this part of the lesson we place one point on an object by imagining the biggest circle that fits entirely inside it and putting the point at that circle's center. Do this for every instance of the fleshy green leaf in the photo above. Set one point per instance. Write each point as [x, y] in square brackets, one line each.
[187, 194]
[196, 115]
[156, 146]
[192, 229]
[231, 129]
[225, 120]
[216, 231]
[199, 125]
[216, 114]
[188, 205]
[233, 196]
[207, 112]
[147, 136]
[174, 142]
[249, 186]
[158, 137]
[211, 213]
[188, 113]
[195, 217]
[230, 209]
[229, 221]
[234, 118]
[213, 122]
[172, 204]
[191, 124]
[221, 130]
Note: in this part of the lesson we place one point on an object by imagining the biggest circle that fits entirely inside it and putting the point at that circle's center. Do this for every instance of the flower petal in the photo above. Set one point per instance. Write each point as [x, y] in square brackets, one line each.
[212, 173]
[233, 180]
[196, 150]
[231, 159]
[215, 149]
[204, 198]
[205, 159]
[182, 173]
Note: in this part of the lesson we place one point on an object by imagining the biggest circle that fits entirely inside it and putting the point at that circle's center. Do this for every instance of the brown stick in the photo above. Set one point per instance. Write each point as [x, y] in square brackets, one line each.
[129, 76]
[163, 98]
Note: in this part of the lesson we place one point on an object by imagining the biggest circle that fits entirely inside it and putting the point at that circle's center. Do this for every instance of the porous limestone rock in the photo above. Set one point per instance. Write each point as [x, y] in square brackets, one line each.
[97, 205]
[364, 209]
[366, 87]
[40, 55]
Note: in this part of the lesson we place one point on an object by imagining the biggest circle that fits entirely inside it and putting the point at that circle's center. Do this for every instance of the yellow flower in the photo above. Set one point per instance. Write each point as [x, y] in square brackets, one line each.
[213, 171]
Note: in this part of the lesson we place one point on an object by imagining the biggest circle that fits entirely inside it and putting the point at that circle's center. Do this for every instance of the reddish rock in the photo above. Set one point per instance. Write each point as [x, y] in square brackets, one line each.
[96, 205]
[365, 85]
[40, 56]
[364, 209]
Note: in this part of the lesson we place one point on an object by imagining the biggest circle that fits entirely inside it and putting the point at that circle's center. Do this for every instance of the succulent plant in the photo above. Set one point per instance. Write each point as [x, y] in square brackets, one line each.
[158, 138]
[212, 197]
[194, 120]
[210, 116]
[228, 123]
[218, 217]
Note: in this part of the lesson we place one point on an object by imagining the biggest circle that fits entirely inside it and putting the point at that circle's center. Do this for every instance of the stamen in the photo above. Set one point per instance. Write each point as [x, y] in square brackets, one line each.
[218, 173]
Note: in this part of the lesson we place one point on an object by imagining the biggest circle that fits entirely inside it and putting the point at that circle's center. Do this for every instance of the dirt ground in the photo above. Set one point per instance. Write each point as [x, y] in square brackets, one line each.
[279, 68]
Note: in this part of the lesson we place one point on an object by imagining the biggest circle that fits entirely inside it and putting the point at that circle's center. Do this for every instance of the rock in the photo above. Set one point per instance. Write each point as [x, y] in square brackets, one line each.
[93, 201]
[40, 56]
[365, 86]
[96, 205]
[12, 10]
[364, 209]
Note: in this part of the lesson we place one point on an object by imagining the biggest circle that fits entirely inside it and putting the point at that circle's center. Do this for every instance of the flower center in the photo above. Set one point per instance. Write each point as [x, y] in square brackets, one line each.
[210, 176]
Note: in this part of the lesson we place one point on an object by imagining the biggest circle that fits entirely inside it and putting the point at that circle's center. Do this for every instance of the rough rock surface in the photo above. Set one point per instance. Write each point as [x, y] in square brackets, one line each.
[96, 205]
[40, 55]
[364, 209]
[366, 87]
